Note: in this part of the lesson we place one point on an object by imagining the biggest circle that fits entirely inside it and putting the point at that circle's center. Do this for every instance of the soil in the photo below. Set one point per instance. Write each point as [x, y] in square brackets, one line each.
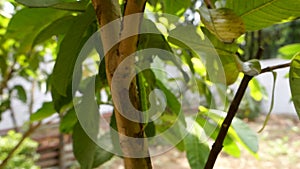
[279, 145]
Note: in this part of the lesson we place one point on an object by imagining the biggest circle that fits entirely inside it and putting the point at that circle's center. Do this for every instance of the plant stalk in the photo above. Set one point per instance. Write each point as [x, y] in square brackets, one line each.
[108, 11]
[218, 145]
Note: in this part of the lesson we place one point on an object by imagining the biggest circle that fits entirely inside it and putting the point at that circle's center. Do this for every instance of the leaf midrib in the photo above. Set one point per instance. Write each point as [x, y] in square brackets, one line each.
[258, 8]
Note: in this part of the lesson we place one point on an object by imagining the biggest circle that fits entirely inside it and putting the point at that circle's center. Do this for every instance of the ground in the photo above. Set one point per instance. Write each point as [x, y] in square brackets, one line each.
[279, 145]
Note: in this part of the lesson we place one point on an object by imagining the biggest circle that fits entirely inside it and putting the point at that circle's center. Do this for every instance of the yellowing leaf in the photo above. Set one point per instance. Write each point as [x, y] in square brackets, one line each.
[223, 23]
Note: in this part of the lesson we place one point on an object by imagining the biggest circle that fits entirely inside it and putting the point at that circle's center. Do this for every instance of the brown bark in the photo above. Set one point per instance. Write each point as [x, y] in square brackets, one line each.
[108, 11]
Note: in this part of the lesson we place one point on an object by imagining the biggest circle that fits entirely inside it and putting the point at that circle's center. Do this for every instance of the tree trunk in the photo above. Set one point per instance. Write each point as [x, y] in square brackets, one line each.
[136, 155]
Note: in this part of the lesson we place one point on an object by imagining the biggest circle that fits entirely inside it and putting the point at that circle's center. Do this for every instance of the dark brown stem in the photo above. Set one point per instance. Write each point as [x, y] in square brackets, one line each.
[25, 135]
[259, 39]
[259, 53]
[271, 68]
[13, 117]
[209, 4]
[8, 76]
[218, 145]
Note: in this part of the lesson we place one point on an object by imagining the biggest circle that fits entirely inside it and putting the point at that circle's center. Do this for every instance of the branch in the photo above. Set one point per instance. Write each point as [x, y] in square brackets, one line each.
[13, 117]
[271, 68]
[107, 11]
[6, 78]
[25, 135]
[218, 145]
[209, 4]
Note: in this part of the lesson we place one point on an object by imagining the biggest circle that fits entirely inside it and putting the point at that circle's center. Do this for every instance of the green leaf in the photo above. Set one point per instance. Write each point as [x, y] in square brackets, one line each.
[175, 129]
[230, 68]
[212, 130]
[60, 26]
[150, 129]
[227, 54]
[187, 37]
[157, 41]
[21, 93]
[87, 153]
[145, 82]
[3, 64]
[203, 87]
[152, 2]
[87, 111]
[114, 134]
[294, 76]
[41, 3]
[187, 57]
[85, 149]
[248, 136]
[172, 101]
[238, 130]
[223, 23]
[272, 102]
[196, 150]
[69, 50]
[101, 156]
[175, 7]
[256, 90]
[289, 51]
[231, 147]
[4, 105]
[258, 14]
[26, 24]
[68, 121]
[45, 111]
[172, 120]
[71, 5]
[59, 100]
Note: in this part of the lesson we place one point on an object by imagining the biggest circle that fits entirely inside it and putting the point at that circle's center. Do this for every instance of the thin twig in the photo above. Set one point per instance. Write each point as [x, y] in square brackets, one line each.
[30, 108]
[7, 77]
[271, 68]
[209, 4]
[13, 118]
[259, 53]
[25, 135]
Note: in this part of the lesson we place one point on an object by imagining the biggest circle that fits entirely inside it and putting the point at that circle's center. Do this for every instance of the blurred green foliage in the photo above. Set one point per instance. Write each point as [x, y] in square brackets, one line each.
[24, 157]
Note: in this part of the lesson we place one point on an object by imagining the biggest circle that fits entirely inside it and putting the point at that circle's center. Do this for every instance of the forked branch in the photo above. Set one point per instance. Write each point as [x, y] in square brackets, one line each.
[218, 145]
